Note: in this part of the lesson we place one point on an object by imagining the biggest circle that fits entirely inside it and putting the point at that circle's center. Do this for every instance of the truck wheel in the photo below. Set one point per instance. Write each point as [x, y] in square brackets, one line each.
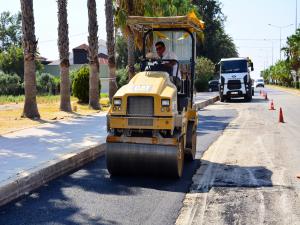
[191, 142]
[248, 97]
[222, 98]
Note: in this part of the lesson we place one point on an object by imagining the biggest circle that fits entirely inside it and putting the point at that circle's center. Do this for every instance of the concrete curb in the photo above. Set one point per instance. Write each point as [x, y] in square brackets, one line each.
[26, 183]
[205, 103]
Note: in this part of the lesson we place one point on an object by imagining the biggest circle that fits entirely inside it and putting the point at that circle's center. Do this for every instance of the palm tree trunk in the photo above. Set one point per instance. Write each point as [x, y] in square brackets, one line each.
[29, 44]
[63, 48]
[110, 43]
[93, 56]
[130, 44]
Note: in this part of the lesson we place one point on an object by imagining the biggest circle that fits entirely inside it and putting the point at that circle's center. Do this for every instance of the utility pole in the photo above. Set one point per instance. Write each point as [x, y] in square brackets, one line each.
[296, 23]
[280, 28]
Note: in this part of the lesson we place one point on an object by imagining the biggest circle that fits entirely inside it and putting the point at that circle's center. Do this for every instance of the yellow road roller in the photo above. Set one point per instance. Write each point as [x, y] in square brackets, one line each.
[152, 121]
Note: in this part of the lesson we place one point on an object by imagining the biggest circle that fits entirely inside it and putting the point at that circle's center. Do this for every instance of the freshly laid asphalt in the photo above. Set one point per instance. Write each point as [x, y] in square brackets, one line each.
[91, 196]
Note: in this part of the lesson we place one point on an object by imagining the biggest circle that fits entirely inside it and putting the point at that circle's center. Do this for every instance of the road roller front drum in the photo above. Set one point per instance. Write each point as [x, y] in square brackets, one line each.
[145, 159]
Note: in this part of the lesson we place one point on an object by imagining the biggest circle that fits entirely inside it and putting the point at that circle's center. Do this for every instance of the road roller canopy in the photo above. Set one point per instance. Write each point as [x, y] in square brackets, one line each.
[190, 22]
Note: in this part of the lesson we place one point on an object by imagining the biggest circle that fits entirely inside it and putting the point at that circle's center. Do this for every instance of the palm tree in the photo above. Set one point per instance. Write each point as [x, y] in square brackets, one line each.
[63, 48]
[129, 8]
[29, 44]
[93, 56]
[110, 43]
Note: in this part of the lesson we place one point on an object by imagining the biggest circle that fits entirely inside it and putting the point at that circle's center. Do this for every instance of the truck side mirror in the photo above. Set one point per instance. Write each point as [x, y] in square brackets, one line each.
[252, 68]
[217, 68]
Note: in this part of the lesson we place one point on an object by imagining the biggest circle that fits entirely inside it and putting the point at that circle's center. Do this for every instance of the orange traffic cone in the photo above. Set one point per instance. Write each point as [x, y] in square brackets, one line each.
[266, 96]
[281, 116]
[272, 105]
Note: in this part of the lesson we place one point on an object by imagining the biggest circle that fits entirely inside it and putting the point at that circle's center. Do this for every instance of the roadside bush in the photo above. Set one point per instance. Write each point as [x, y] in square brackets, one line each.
[72, 75]
[204, 72]
[80, 84]
[122, 77]
[57, 85]
[201, 84]
[46, 83]
[10, 84]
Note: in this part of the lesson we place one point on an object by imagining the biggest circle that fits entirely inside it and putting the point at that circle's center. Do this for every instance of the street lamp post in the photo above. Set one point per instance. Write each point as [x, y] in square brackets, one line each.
[280, 28]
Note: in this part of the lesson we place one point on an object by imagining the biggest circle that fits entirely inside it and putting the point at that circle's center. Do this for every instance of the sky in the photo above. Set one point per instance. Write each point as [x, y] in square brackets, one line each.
[45, 13]
[247, 23]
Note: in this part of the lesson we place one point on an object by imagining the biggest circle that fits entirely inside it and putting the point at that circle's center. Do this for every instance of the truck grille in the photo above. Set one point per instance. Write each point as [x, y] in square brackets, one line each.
[140, 106]
[234, 84]
[140, 122]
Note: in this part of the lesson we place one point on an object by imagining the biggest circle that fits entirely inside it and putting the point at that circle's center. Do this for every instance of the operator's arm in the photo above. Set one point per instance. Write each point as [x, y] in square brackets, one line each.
[172, 57]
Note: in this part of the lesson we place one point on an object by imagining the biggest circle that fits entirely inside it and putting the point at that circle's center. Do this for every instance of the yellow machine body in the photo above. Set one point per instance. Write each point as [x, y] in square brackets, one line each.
[149, 126]
[152, 123]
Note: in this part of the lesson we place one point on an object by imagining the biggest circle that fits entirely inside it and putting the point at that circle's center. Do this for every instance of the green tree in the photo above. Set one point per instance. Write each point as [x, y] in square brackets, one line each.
[121, 77]
[10, 30]
[280, 73]
[30, 45]
[12, 61]
[292, 51]
[121, 52]
[217, 44]
[204, 67]
[168, 7]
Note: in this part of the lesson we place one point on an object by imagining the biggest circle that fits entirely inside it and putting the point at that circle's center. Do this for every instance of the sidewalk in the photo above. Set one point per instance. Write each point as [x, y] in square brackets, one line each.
[32, 157]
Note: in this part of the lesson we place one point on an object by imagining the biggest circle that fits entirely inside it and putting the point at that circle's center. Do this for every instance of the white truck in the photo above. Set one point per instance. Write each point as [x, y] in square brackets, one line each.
[235, 80]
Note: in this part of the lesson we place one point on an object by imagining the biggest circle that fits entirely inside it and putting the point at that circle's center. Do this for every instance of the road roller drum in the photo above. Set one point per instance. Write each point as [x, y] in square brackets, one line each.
[141, 159]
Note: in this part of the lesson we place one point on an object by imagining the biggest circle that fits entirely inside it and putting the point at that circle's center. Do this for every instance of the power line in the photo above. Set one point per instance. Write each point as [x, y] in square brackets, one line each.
[256, 39]
[73, 35]
[253, 47]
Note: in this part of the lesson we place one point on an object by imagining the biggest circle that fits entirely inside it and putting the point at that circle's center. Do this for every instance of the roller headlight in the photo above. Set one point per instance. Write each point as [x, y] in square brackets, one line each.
[117, 102]
[165, 102]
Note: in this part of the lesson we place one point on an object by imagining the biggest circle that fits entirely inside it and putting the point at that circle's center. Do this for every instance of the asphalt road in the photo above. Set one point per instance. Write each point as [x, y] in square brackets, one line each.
[90, 196]
[249, 175]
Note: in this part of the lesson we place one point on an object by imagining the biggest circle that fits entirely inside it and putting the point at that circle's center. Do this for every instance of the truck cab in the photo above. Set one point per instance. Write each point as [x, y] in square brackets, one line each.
[235, 80]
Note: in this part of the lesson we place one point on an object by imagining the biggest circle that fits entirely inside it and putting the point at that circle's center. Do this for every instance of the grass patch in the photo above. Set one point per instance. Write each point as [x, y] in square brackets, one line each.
[104, 95]
[48, 107]
[7, 99]
[287, 89]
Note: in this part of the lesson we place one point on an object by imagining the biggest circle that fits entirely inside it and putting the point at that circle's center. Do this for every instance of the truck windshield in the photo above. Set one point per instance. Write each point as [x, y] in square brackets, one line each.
[235, 66]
